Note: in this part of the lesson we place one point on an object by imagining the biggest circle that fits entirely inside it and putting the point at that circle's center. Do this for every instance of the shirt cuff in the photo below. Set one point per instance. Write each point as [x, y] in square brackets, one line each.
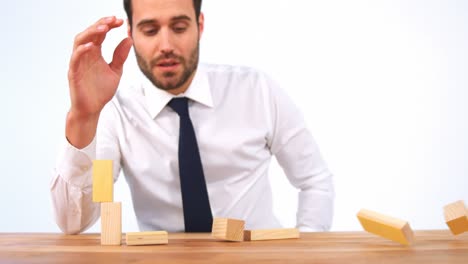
[74, 165]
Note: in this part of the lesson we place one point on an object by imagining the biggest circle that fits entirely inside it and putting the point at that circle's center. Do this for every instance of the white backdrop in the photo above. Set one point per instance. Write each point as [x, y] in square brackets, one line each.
[382, 85]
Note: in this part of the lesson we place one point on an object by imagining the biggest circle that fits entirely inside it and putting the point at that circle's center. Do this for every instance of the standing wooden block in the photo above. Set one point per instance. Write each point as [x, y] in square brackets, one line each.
[103, 181]
[386, 226]
[147, 238]
[111, 223]
[228, 229]
[456, 217]
[270, 234]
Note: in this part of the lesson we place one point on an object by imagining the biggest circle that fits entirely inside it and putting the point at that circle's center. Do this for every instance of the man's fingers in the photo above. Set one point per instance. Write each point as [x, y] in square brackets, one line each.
[97, 32]
[121, 55]
[77, 56]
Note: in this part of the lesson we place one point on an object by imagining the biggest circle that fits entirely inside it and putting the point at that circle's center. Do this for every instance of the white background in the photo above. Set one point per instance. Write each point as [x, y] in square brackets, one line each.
[383, 86]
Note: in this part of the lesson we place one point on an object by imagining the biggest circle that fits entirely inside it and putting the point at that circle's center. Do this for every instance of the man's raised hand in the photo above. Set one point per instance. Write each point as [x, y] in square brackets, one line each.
[92, 81]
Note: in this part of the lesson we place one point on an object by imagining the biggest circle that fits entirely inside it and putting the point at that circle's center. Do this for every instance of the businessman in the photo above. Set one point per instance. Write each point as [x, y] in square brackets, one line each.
[193, 140]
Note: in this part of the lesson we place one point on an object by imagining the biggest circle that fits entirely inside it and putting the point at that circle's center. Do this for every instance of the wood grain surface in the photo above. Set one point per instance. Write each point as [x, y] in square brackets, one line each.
[335, 247]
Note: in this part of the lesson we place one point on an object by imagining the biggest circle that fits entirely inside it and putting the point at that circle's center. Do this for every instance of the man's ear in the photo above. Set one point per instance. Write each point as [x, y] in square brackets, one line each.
[129, 29]
[201, 24]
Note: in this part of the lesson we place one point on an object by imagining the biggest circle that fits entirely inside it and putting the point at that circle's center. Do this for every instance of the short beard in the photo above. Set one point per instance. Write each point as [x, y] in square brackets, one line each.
[188, 68]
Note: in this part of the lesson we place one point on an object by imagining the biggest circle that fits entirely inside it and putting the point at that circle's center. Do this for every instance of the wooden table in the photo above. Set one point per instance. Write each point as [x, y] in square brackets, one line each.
[335, 247]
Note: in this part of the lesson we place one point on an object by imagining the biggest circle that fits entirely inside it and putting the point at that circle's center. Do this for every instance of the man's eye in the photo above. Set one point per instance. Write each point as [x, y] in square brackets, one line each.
[150, 32]
[180, 29]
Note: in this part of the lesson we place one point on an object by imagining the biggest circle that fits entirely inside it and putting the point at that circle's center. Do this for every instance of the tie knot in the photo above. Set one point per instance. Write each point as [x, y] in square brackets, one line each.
[179, 105]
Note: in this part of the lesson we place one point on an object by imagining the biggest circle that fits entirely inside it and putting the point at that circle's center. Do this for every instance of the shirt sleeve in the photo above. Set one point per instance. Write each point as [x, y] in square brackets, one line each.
[71, 185]
[298, 154]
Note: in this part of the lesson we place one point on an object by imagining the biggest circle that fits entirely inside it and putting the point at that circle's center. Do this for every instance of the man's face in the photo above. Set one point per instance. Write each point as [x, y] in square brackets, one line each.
[166, 41]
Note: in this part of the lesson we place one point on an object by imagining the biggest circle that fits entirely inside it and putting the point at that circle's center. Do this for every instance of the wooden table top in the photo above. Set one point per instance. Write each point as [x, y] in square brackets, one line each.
[335, 247]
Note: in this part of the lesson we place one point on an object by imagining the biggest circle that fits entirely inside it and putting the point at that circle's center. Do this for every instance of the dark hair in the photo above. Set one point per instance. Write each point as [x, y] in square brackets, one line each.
[128, 9]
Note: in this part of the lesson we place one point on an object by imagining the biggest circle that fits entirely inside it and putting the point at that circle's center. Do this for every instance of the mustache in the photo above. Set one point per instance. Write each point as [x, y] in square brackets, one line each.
[154, 62]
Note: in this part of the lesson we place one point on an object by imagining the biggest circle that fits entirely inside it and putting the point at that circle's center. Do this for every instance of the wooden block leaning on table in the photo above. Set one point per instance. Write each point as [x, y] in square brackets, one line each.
[386, 226]
[111, 223]
[228, 229]
[147, 238]
[270, 234]
[103, 181]
[456, 217]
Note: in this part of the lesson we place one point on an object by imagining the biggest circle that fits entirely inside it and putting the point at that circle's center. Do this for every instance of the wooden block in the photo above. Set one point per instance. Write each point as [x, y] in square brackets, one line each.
[228, 229]
[103, 181]
[386, 226]
[111, 223]
[147, 238]
[456, 217]
[270, 234]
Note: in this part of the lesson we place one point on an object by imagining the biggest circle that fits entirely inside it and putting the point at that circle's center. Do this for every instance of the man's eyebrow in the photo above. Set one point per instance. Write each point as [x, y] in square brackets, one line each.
[155, 21]
[181, 17]
[147, 21]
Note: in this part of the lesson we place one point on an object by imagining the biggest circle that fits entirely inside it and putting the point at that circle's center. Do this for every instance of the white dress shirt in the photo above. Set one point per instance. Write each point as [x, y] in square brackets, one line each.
[241, 118]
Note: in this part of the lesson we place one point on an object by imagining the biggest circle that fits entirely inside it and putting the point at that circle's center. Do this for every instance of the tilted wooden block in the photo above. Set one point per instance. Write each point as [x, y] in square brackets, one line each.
[270, 234]
[456, 217]
[228, 229]
[147, 238]
[111, 223]
[386, 226]
[103, 181]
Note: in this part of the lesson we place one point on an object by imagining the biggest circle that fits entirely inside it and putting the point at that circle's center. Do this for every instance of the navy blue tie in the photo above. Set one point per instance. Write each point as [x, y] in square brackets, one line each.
[197, 211]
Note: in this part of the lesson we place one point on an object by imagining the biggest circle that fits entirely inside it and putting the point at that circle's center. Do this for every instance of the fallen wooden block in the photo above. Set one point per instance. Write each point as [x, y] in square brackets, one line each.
[270, 234]
[228, 229]
[103, 181]
[456, 217]
[385, 226]
[147, 238]
[111, 223]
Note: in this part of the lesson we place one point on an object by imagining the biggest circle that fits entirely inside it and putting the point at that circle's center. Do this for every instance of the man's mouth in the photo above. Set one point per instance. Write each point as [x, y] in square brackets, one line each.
[167, 63]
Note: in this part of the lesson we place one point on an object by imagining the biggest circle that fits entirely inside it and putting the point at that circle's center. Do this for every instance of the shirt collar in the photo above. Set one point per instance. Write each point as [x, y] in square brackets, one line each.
[198, 91]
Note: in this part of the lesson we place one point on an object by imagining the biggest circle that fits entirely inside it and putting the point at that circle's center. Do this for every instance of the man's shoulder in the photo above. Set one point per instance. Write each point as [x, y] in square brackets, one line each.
[226, 69]
[239, 80]
[127, 96]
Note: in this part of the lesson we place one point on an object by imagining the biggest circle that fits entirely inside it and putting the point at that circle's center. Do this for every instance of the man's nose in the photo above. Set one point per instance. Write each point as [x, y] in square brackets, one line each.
[166, 44]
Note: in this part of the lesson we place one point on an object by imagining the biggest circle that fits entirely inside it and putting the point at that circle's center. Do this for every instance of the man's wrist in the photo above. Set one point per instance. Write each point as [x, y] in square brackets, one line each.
[80, 129]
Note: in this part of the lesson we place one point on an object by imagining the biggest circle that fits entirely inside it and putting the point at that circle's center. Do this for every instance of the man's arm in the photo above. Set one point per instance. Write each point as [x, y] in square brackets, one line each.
[299, 156]
[306, 170]
[71, 189]
[92, 82]
[71, 186]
